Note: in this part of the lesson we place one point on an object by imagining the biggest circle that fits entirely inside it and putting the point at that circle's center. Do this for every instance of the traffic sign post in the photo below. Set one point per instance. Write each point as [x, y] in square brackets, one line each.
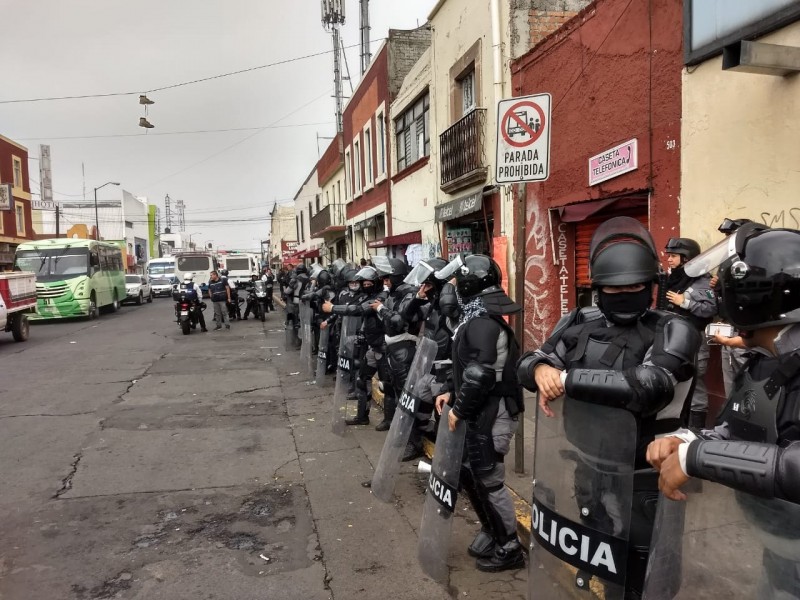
[523, 139]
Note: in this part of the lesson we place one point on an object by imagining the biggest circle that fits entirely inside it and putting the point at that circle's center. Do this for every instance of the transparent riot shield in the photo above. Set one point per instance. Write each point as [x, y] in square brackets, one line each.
[720, 543]
[403, 422]
[306, 314]
[344, 371]
[322, 356]
[440, 500]
[292, 313]
[583, 466]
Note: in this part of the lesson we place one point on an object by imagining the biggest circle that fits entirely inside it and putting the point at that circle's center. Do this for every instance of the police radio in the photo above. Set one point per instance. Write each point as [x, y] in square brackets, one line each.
[661, 294]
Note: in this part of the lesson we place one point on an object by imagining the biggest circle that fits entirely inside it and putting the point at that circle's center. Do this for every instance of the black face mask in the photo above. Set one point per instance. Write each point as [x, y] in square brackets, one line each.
[625, 308]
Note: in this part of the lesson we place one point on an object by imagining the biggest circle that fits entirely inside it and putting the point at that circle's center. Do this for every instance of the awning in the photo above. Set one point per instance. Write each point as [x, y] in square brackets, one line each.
[458, 208]
[310, 253]
[574, 213]
[366, 223]
[404, 239]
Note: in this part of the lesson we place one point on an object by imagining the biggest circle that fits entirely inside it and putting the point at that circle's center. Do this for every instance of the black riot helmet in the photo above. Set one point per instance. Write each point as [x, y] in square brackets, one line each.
[728, 226]
[392, 268]
[368, 274]
[425, 272]
[474, 274]
[759, 271]
[323, 278]
[685, 247]
[301, 269]
[622, 252]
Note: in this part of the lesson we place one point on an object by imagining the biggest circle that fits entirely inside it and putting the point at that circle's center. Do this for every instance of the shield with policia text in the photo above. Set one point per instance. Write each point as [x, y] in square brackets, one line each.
[722, 543]
[344, 369]
[582, 494]
[322, 355]
[440, 499]
[383, 480]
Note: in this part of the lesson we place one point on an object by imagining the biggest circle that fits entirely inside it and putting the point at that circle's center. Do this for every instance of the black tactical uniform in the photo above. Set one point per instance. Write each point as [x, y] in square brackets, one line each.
[620, 354]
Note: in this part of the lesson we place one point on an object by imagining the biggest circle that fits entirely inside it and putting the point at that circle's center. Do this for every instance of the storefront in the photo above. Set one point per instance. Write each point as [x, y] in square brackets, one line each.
[369, 230]
[405, 246]
[468, 225]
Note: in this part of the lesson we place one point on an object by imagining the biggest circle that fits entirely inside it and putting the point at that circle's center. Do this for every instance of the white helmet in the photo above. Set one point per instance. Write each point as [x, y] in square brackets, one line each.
[188, 277]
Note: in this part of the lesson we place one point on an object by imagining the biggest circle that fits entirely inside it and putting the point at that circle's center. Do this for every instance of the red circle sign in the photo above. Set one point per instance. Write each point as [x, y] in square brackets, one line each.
[517, 121]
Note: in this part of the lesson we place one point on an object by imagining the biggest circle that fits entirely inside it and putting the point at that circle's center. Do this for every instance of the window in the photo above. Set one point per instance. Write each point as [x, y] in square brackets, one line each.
[319, 199]
[297, 225]
[467, 84]
[348, 182]
[413, 133]
[339, 186]
[380, 143]
[302, 228]
[17, 171]
[19, 208]
[328, 198]
[357, 168]
[310, 214]
[368, 176]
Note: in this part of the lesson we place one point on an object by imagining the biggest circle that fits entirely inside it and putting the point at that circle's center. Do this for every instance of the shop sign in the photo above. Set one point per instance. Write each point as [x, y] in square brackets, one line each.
[523, 139]
[365, 224]
[614, 162]
[457, 208]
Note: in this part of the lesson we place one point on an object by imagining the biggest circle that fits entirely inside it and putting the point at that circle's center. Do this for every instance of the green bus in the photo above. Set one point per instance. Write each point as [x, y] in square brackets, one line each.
[74, 277]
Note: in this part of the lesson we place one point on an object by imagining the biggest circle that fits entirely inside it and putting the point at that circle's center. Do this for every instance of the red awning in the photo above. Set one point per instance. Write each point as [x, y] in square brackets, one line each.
[404, 239]
[310, 253]
[575, 213]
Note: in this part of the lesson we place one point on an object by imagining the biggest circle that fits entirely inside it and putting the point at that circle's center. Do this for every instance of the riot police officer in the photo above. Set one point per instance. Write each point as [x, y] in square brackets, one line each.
[618, 366]
[694, 299]
[755, 447]
[487, 396]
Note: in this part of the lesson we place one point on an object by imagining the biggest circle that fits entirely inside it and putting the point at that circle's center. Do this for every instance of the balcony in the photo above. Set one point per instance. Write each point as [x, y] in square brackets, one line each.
[462, 152]
[328, 220]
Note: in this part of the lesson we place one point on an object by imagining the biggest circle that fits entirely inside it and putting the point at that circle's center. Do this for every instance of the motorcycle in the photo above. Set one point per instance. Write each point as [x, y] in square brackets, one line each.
[187, 313]
[260, 291]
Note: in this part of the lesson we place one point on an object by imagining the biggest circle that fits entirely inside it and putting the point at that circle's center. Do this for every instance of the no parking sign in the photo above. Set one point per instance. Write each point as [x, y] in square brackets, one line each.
[523, 139]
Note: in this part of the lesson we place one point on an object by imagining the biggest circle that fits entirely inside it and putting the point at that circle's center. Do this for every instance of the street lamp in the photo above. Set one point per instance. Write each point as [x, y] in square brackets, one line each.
[190, 238]
[96, 218]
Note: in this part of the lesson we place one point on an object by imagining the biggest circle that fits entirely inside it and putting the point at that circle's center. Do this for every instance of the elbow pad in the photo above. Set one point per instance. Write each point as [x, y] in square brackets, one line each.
[641, 390]
[788, 475]
[746, 466]
[476, 382]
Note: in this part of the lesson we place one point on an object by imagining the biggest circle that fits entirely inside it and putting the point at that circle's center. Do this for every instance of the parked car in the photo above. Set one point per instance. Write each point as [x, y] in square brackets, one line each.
[162, 286]
[138, 289]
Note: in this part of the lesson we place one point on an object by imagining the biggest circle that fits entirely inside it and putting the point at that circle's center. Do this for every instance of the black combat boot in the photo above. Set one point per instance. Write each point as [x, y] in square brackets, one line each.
[413, 447]
[362, 414]
[483, 545]
[389, 405]
[505, 557]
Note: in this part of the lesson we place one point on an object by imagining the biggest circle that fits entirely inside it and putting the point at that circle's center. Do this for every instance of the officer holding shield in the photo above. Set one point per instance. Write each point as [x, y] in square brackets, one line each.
[755, 447]
[624, 372]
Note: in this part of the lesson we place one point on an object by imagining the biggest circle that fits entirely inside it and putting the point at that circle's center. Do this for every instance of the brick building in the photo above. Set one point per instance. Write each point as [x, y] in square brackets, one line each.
[16, 225]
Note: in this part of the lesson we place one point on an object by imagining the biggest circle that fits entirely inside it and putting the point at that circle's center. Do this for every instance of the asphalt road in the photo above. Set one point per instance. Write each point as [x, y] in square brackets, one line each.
[138, 463]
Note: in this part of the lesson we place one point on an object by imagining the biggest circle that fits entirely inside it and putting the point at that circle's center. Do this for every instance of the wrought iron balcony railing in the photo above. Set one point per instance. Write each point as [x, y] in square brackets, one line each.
[461, 151]
[330, 218]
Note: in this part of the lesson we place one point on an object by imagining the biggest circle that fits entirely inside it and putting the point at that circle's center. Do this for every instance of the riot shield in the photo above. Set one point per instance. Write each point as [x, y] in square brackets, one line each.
[305, 331]
[440, 499]
[344, 370]
[721, 543]
[292, 313]
[403, 422]
[583, 466]
[322, 355]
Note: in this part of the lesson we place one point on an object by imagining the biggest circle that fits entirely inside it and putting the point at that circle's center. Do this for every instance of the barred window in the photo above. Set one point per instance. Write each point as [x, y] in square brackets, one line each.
[413, 135]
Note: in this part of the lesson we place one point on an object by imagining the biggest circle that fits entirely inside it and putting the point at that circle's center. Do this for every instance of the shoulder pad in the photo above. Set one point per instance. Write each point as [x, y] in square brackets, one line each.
[681, 339]
[585, 315]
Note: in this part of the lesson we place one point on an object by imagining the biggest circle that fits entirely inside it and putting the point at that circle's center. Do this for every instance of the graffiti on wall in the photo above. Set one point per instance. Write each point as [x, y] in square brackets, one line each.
[541, 311]
[786, 218]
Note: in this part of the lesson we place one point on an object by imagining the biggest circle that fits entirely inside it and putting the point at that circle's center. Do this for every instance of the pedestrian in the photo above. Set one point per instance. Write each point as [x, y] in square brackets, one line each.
[486, 395]
[624, 372]
[269, 282]
[694, 299]
[755, 446]
[220, 295]
[234, 311]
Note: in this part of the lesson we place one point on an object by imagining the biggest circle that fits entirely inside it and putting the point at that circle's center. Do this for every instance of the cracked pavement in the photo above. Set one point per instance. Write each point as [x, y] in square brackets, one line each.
[141, 463]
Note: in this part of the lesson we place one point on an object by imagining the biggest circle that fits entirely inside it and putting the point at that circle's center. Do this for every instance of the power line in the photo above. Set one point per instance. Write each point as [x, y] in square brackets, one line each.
[124, 135]
[175, 85]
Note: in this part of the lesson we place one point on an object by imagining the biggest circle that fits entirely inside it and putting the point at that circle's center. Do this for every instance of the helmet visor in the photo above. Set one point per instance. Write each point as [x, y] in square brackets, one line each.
[337, 266]
[383, 265]
[454, 266]
[419, 274]
[316, 269]
[712, 258]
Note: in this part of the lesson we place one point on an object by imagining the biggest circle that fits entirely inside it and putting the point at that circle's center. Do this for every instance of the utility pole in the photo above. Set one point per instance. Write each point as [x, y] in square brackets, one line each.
[168, 212]
[366, 55]
[332, 21]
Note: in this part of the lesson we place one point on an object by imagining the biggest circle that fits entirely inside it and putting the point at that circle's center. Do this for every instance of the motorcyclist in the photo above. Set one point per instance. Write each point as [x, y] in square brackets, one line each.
[486, 394]
[269, 282]
[755, 446]
[622, 355]
[252, 301]
[193, 294]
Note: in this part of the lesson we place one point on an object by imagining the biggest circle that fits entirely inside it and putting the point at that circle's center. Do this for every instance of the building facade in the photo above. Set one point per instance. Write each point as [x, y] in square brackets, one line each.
[307, 201]
[282, 235]
[16, 223]
[329, 221]
[614, 75]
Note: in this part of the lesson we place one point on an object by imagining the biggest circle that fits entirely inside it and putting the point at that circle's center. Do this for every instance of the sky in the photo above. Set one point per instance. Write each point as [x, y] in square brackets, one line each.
[270, 117]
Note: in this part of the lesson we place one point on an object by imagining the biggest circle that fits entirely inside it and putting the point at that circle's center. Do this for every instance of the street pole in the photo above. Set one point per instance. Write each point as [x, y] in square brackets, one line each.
[96, 218]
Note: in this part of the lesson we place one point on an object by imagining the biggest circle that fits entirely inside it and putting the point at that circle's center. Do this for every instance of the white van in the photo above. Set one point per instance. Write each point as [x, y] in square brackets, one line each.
[241, 266]
[198, 262]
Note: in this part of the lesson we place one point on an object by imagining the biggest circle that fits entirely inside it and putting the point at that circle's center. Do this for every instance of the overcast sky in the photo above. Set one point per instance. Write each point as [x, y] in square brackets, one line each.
[53, 48]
